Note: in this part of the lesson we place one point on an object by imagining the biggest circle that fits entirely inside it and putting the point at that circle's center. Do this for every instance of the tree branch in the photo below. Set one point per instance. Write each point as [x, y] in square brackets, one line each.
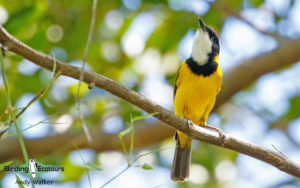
[273, 158]
[240, 76]
[63, 143]
[249, 70]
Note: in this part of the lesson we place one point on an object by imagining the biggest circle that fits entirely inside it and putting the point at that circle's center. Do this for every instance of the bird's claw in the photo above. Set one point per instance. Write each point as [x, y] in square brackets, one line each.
[189, 125]
[222, 135]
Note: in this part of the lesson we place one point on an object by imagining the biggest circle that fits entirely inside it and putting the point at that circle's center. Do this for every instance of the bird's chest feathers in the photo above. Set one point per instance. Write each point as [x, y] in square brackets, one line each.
[195, 92]
[196, 87]
[199, 84]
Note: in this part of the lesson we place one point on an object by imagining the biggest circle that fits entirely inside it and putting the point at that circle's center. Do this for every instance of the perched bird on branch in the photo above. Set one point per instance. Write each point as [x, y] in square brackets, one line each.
[198, 82]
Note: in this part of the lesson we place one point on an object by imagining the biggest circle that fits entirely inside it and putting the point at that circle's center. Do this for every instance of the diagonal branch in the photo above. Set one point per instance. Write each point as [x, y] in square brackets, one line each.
[263, 154]
[242, 75]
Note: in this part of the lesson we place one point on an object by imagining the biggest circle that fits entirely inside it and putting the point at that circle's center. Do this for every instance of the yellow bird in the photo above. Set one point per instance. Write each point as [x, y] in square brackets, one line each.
[198, 82]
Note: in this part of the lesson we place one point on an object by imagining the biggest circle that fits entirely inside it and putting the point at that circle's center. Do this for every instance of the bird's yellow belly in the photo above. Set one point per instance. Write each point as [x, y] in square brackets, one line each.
[196, 96]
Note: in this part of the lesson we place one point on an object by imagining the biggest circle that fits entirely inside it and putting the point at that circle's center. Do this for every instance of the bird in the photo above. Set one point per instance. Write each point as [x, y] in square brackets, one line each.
[198, 82]
[33, 167]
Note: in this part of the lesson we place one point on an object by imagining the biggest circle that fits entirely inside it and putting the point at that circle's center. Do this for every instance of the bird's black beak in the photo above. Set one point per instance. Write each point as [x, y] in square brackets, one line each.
[202, 25]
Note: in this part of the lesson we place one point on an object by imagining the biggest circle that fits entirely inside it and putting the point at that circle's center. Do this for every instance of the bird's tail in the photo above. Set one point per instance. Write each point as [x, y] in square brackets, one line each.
[181, 161]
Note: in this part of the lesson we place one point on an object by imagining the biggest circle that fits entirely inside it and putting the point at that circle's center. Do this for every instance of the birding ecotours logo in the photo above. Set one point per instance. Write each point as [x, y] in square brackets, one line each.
[33, 168]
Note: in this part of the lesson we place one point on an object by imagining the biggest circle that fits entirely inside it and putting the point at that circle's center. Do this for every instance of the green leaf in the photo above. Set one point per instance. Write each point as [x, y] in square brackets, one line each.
[146, 167]
[135, 118]
[22, 18]
[120, 135]
[235, 4]
[124, 132]
[293, 111]
[214, 18]
[167, 35]
[20, 184]
[71, 171]
[93, 166]
[2, 165]
[256, 3]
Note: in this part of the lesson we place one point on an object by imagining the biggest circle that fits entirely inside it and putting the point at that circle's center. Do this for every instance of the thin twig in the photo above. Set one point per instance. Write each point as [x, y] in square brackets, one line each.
[279, 151]
[39, 95]
[88, 44]
[130, 164]
[84, 163]
[35, 98]
[117, 175]
[11, 111]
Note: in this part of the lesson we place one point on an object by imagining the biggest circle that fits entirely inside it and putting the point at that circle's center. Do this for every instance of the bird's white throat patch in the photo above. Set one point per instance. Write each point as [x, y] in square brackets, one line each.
[201, 47]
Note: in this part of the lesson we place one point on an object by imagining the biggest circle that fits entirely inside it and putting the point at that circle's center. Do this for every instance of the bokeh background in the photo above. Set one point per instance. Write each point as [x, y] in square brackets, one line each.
[140, 43]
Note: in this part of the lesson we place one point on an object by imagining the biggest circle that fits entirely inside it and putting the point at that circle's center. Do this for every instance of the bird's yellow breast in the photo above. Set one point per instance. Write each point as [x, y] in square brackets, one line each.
[196, 94]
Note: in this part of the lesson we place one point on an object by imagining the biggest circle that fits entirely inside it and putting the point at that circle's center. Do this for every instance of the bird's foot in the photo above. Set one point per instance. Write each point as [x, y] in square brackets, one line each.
[222, 135]
[189, 125]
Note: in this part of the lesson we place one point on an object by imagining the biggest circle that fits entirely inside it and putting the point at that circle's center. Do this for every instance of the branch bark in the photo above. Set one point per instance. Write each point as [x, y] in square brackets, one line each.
[10, 147]
[101, 141]
[242, 75]
[263, 154]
